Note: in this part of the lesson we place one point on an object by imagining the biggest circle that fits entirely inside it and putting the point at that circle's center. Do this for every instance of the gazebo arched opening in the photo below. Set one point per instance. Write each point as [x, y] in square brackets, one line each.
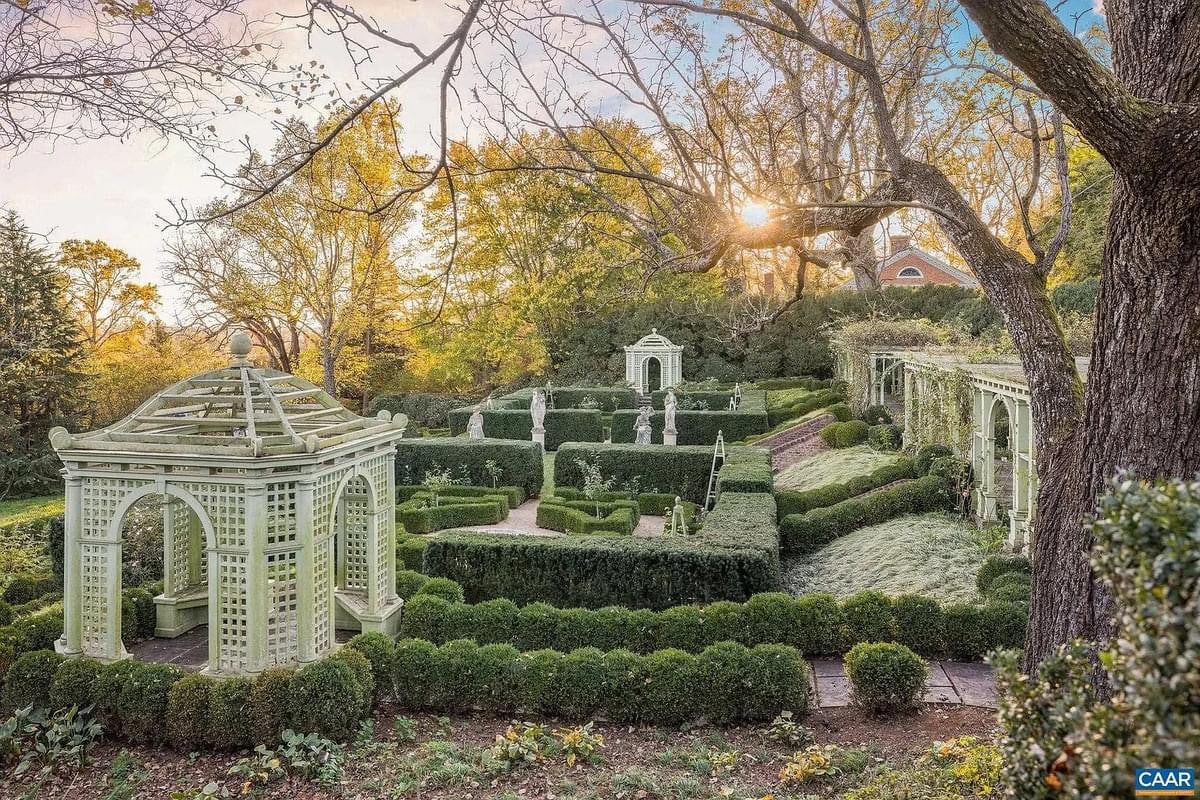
[1001, 466]
[652, 369]
[354, 512]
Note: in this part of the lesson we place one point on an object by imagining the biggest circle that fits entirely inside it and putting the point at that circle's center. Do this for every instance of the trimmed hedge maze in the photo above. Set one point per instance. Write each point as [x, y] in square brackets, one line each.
[612, 517]
[577, 415]
[472, 460]
[701, 427]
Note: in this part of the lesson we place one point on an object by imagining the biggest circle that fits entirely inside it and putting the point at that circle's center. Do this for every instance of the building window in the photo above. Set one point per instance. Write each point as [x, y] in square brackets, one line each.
[910, 272]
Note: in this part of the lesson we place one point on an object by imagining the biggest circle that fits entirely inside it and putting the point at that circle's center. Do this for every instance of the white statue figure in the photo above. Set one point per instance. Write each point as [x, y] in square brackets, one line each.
[475, 423]
[642, 427]
[488, 402]
[549, 394]
[537, 410]
[678, 522]
[736, 399]
[669, 412]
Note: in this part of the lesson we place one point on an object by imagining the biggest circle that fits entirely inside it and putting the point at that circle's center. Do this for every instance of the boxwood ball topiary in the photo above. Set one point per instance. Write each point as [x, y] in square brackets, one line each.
[229, 712]
[270, 705]
[29, 679]
[415, 672]
[143, 702]
[187, 712]
[444, 588]
[1000, 564]
[379, 650]
[326, 698]
[869, 618]
[885, 677]
[363, 676]
[74, 683]
[919, 623]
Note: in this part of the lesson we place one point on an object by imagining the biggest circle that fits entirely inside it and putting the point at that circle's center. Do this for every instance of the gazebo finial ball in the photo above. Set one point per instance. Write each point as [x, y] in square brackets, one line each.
[240, 344]
[654, 330]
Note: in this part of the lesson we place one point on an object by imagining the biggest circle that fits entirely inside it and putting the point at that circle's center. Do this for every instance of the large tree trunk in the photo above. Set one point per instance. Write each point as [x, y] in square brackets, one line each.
[1142, 403]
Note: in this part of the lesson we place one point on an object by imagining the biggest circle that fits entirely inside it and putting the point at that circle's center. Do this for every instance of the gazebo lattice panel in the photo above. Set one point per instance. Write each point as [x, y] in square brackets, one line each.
[246, 463]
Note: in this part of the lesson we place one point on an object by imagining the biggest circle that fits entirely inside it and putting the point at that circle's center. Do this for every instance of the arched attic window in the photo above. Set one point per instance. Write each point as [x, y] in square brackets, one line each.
[910, 272]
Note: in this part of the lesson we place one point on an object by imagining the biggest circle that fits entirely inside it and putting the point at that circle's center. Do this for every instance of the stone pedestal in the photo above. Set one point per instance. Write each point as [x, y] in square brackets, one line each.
[539, 436]
[669, 437]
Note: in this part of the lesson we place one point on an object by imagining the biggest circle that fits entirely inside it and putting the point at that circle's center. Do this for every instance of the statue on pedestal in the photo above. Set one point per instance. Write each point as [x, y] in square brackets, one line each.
[669, 405]
[537, 410]
[642, 427]
[475, 423]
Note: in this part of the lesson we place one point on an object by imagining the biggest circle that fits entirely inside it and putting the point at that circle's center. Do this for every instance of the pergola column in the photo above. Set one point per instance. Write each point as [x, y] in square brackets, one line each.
[987, 462]
[257, 605]
[909, 382]
[1022, 502]
[305, 575]
[71, 642]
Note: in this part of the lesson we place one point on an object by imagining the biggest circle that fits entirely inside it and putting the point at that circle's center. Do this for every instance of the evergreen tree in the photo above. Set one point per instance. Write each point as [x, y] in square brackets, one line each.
[41, 377]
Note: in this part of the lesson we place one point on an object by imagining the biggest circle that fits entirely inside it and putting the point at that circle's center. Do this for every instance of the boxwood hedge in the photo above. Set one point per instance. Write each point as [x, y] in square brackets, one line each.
[809, 532]
[735, 555]
[798, 502]
[418, 515]
[562, 424]
[679, 471]
[515, 495]
[518, 463]
[746, 469]
[580, 516]
[701, 427]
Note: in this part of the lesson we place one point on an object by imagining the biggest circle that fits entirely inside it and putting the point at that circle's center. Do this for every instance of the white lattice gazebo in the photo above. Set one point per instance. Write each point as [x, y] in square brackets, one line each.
[278, 508]
[659, 348]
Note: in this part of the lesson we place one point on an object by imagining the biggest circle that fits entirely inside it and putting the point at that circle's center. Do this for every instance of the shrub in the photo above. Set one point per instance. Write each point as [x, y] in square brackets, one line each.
[29, 679]
[270, 705]
[415, 672]
[1008, 592]
[408, 583]
[187, 712]
[841, 412]
[6, 614]
[678, 470]
[812, 530]
[326, 698]
[919, 623]
[423, 409]
[775, 681]
[580, 516]
[562, 424]
[229, 713]
[927, 454]
[876, 415]
[869, 618]
[681, 628]
[700, 427]
[379, 650]
[1000, 564]
[143, 701]
[746, 470]
[669, 680]
[74, 683]
[966, 636]
[106, 695]
[512, 495]
[410, 550]
[1004, 624]
[519, 463]
[144, 614]
[364, 678]
[793, 502]
[496, 688]
[885, 437]
[845, 434]
[444, 588]
[25, 587]
[885, 677]
[418, 516]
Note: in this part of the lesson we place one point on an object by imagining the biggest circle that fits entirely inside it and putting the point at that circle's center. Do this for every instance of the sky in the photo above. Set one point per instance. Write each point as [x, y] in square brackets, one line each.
[116, 190]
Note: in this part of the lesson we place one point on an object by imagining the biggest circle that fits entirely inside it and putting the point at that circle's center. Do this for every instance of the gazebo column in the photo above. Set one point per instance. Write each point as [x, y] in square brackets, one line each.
[257, 602]
[71, 643]
[1021, 435]
[987, 473]
[305, 576]
[907, 377]
[372, 565]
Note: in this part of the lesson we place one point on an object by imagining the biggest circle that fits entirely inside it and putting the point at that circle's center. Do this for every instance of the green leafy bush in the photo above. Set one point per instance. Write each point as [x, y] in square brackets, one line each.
[885, 437]
[378, 649]
[1001, 564]
[106, 695]
[746, 470]
[270, 704]
[841, 412]
[444, 588]
[29, 586]
[678, 470]
[885, 677]
[586, 516]
[410, 550]
[29, 679]
[187, 712]
[326, 698]
[229, 713]
[419, 515]
[845, 434]
[408, 583]
[74, 683]
[143, 702]
[869, 618]
[927, 454]
[514, 495]
[364, 677]
[823, 398]
[423, 409]
[518, 463]
[966, 633]
[876, 415]
[562, 424]
[699, 427]
[919, 623]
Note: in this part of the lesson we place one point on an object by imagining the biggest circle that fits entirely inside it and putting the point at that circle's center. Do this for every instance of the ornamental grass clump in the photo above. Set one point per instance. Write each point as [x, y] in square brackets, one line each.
[885, 678]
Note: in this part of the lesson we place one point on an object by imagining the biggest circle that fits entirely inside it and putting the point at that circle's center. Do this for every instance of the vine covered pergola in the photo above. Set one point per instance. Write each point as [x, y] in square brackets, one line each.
[278, 508]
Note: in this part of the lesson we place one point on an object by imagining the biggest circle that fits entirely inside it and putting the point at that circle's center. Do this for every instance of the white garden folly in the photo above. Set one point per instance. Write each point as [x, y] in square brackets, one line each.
[278, 508]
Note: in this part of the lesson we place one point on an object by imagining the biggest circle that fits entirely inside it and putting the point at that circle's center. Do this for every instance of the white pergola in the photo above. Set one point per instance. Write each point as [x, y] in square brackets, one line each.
[658, 347]
[278, 506]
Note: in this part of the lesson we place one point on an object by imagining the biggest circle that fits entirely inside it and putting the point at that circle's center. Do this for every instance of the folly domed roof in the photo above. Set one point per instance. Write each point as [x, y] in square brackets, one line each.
[240, 410]
[654, 340]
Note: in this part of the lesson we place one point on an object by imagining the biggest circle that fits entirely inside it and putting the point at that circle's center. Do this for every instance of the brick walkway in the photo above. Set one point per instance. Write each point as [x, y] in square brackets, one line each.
[950, 683]
[796, 443]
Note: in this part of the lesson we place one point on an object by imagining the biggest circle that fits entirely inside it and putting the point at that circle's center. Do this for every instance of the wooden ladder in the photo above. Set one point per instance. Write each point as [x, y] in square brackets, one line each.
[718, 461]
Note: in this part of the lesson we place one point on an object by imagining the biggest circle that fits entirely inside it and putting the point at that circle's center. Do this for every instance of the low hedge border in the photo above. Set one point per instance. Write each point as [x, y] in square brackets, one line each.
[580, 516]
[845, 434]
[747, 470]
[418, 515]
[655, 504]
[815, 624]
[733, 556]
[160, 704]
[515, 495]
[700, 427]
[516, 463]
[809, 532]
[798, 502]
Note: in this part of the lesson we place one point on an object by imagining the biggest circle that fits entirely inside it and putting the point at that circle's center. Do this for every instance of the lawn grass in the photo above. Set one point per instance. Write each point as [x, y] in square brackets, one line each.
[832, 466]
[547, 474]
[929, 554]
[778, 398]
[29, 509]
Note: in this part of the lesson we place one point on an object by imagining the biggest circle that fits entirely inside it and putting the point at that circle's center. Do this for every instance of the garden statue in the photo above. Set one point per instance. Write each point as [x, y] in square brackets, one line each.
[642, 427]
[475, 424]
[537, 410]
[488, 402]
[669, 405]
[549, 394]
[678, 523]
[736, 400]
